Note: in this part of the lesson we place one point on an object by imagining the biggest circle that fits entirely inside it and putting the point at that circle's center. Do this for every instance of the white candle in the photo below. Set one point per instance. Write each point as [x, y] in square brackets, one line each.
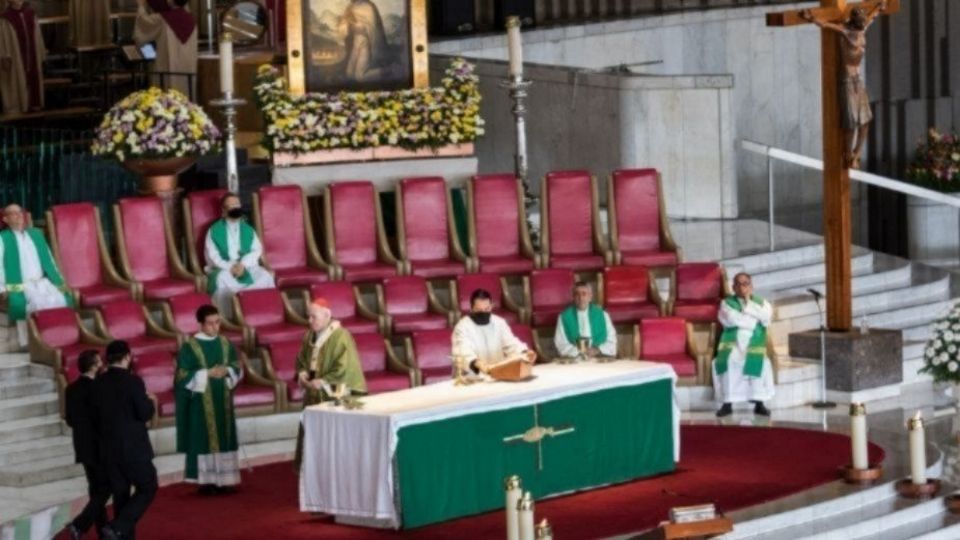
[525, 509]
[511, 487]
[918, 450]
[515, 47]
[544, 531]
[858, 435]
[226, 64]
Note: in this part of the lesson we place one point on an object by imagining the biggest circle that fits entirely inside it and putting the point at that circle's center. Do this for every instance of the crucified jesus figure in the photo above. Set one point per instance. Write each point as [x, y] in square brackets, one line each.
[855, 101]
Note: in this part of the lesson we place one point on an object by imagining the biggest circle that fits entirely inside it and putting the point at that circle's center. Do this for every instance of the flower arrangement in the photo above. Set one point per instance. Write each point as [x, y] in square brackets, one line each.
[411, 119]
[155, 124]
[941, 358]
[937, 163]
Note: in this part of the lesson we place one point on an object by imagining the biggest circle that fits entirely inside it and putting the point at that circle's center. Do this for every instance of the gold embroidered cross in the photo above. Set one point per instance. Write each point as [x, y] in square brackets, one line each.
[536, 434]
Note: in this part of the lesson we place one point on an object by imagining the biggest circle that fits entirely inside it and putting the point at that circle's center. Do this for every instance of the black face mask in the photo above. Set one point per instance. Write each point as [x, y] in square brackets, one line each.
[481, 318]
[235, 213]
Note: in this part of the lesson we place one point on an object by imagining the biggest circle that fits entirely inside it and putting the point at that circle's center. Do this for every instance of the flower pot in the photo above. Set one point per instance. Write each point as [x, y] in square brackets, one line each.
[158, 176]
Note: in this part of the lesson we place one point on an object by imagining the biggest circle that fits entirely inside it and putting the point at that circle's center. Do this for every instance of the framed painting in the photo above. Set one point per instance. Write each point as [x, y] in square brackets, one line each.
[356, 45]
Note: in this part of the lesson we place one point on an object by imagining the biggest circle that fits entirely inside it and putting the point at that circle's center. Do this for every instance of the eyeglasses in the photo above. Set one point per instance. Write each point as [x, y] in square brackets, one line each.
[742, 283]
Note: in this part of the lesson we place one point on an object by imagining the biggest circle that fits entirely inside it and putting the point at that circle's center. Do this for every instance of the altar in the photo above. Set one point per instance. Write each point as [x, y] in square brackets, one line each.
[438, 452]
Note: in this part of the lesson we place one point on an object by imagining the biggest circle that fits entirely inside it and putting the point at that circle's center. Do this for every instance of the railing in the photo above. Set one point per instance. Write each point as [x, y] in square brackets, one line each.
[777, 154]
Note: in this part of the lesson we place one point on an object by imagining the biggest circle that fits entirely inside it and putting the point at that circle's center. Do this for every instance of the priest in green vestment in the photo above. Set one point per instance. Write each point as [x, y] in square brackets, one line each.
[328, 357]
[29, 277]
[207, 374]
[742, 370]
[584, 319]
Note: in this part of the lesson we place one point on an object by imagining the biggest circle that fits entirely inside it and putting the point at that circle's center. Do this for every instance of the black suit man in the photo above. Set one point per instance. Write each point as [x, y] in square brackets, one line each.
[123, 409]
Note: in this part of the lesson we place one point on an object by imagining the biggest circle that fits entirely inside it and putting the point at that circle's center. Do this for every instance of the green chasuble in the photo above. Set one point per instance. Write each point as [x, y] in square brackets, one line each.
[598, 325]
[218, 233]
[17, 300]
[206, 424]
[756, 349]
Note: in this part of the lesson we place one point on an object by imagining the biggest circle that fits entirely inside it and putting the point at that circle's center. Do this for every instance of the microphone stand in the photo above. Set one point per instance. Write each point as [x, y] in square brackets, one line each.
[823, 403]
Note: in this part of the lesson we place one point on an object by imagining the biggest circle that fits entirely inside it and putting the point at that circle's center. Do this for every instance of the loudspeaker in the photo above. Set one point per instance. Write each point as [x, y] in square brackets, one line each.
[525, 9]
[449, 17]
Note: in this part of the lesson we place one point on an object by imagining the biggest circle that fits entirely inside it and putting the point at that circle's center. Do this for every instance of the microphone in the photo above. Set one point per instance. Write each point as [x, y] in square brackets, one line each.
[816, 294]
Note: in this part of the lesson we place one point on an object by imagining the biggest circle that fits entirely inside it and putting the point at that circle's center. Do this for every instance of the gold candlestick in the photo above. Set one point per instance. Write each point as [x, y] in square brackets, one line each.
[544, 531]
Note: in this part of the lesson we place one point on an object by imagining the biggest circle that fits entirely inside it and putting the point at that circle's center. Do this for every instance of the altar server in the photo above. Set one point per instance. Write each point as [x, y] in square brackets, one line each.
[485, 338]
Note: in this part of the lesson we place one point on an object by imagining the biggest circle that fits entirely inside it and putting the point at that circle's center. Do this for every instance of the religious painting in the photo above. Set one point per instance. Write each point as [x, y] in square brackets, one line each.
[356, 45]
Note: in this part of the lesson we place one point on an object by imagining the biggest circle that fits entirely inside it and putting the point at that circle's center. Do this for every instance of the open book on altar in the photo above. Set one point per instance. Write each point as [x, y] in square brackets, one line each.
[513, 369]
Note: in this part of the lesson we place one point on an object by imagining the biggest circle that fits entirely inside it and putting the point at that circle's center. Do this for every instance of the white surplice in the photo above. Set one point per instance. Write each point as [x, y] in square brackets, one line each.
[569, 350]
[40, 292]
[227, 285]
[733, 386]
[491, 343]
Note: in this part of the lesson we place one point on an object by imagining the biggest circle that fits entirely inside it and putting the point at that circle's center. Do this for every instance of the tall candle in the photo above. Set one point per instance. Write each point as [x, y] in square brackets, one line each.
[515, 47]
[544, 531]
[918, 450]
[525, 509]
[511, 487]
[858, 435]
[226, 64]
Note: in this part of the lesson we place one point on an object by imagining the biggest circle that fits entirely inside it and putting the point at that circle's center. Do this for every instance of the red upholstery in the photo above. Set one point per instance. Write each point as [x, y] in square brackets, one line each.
[157, 371]
[637, 197]
[145, 239]
[699, 291]
[263, 311]
[247, 394]
[343, 306]
[497, 225]
[467, 283]
[184, 310]
[570, 203]
[204, 210]
[283, 357]
[407, 303]
[525, 334]
[57, 327]
[626, 297]
[427, 239]
[431, 351]
[373, 358]
[285, 237]
[551, 291]
[126, 320]
[665, 340]
[354, 223]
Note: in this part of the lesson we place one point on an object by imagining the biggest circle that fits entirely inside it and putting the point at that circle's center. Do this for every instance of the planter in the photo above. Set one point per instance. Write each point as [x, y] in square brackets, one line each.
[385, 153]
[158, 176]
[933, 231]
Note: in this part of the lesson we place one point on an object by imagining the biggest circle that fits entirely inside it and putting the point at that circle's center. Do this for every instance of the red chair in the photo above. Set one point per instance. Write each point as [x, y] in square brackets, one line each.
[429, 351]
[382, 370]
[78, 244]
[148, 253]
[180, 316]
[410, 305]
[356, 241]
[280, 364]
[200, 210]
[497, 222]
[346, 306]
[639, 229]
[131, 322]
[629, 294]
[573, 239]
[548, 292]
[426, 232]
[269, 317]
[529, 335]
[698, 289]
[503, 305]
[285, 230]
[669, 340]
[158, 370]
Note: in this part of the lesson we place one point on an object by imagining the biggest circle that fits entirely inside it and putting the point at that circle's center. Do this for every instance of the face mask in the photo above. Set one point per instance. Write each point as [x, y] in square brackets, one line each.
[235, 213]
[481, 318]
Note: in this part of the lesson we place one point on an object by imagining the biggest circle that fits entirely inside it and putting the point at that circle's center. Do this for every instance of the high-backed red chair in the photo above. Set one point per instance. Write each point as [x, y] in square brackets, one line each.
[356, 242]
[639, 229]
[528, 335]
[130, 321]
[284, 226]
[158, 370]
[503, 305]
[670, 340]
[698, 289]
[280, 364]
[548, 292]
[410, 305]
[269, 317]
[629, 294]
[148, 253]
[382, 370]
[346, 306]
[429, 351]
[180, 316]
[426, 232]
[497, 222]
[571, 233]
[78, 244]
[200, 210]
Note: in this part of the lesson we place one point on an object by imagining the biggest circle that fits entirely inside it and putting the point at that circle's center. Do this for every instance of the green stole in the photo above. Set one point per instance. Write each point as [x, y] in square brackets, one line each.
[598, 325]
[756, 350]
[218, 233]
[214, 419]
[17, 309]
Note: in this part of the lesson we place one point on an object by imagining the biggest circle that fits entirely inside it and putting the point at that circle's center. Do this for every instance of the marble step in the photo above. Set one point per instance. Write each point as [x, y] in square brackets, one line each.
[760, 263]
[873, 280]
[35, 449]
[31, 428]
[799, 383]
[29, 386]
[797, 276]
[948, 529]
[17, 366]
[40, 472]
[42, 404]
[894, 524]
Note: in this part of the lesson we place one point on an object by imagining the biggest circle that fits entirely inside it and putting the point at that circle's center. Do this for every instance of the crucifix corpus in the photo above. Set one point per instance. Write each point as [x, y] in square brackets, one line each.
[846, 118]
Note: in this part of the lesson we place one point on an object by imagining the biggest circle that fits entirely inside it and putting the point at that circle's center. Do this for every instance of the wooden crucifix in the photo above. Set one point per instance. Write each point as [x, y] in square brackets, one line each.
[846, 115]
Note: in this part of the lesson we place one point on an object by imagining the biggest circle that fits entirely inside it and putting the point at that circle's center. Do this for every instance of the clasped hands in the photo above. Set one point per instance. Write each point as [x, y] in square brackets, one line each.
[316, 384]
[237, 269]
[218, 372]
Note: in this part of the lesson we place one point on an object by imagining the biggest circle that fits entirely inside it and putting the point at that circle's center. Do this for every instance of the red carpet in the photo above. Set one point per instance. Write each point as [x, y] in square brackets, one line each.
[734, 467]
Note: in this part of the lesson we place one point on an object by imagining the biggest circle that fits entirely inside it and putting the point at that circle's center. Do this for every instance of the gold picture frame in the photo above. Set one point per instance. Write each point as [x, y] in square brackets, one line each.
[326, 59]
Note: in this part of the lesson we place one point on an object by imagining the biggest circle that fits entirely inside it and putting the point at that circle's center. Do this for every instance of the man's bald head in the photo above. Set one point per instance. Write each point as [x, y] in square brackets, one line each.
[13, 217]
